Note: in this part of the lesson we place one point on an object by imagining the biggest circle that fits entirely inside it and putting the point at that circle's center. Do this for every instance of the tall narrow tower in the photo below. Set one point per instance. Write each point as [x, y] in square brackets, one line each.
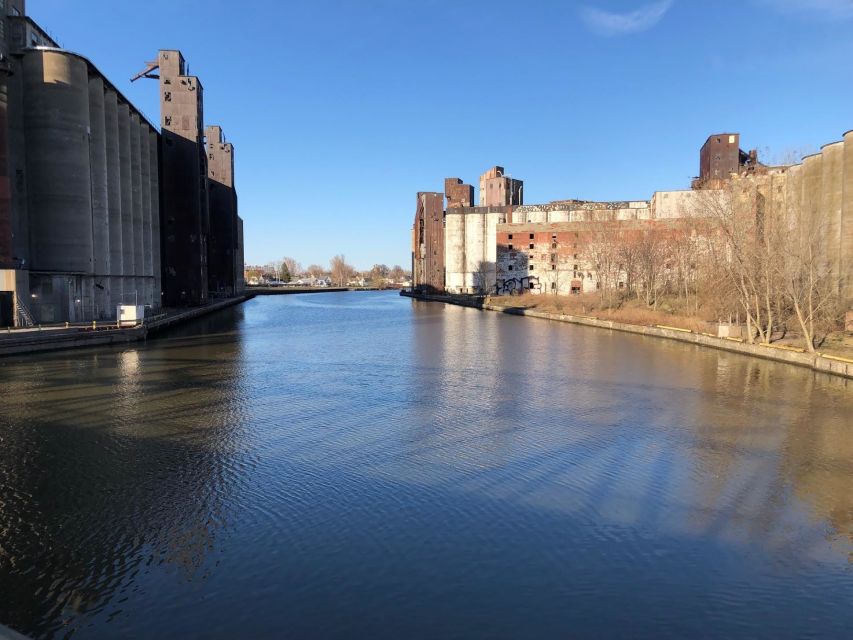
[185, 218]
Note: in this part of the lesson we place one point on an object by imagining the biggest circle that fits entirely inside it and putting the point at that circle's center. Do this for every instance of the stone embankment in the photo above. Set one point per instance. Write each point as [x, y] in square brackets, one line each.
[38, 339]
[825, 363]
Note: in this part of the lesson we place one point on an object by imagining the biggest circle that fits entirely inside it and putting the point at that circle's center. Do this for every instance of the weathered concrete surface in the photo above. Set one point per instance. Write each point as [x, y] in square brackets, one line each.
[818, 362]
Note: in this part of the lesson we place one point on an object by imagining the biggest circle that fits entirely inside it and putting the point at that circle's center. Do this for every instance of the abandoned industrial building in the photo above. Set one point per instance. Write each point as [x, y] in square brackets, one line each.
[98, 205]
[504, 246]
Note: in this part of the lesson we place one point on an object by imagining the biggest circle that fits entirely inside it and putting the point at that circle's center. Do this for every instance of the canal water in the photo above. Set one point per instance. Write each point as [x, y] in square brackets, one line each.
[345, 465]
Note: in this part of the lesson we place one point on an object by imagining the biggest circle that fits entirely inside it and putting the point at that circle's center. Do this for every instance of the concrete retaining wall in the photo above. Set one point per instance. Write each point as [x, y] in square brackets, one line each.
[818, 362]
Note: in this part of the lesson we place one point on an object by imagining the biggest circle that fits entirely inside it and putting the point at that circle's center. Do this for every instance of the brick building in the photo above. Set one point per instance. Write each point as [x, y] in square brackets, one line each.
[428, 243]
[498, 190]
[458, 194]
[562, 257]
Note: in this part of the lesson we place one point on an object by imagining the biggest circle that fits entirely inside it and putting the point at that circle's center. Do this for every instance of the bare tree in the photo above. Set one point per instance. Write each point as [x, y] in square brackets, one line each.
[602, 253]
[397, 274]
[293, 267]
[807, 276]
[341, 271]
[315, 271]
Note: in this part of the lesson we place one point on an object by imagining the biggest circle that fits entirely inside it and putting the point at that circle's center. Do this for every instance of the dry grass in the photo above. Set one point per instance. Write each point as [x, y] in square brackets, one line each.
[630, 311]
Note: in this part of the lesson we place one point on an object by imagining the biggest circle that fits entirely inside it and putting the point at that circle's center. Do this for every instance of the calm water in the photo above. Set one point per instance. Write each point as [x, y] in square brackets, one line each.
[362, 465]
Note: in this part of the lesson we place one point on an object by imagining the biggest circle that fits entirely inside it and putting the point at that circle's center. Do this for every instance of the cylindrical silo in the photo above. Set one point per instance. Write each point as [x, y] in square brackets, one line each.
[154, 161]
[794, 196]
[136, 191]
[812, 186]
[832, 167]
[113, 198]
[56, 122]
[475, 230]
[145, 175]
[100, 201]
[126, 204]
[846, 233]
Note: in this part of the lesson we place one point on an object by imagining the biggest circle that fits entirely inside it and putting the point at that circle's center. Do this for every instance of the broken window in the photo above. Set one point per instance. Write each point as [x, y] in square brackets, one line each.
[167, 96]
[531, 246]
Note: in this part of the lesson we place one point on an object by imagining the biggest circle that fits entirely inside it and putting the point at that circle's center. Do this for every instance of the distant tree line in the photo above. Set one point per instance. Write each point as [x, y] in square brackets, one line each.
[339, 273]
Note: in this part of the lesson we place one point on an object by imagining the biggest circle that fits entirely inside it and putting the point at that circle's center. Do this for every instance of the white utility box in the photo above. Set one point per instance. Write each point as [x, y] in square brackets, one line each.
[130, 315]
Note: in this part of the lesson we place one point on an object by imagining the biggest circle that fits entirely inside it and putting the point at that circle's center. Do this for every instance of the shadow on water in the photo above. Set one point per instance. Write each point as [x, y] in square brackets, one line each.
[367, 465]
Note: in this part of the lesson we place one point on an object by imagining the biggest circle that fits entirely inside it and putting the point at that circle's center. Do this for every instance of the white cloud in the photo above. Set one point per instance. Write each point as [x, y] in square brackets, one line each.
[609, 23]
[828, 9]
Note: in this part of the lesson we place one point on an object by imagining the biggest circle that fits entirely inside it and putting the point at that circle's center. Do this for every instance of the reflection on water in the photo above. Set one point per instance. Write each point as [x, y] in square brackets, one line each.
[334, 465]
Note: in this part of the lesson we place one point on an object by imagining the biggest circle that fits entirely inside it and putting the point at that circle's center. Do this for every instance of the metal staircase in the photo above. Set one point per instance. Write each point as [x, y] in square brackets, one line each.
[24, 317]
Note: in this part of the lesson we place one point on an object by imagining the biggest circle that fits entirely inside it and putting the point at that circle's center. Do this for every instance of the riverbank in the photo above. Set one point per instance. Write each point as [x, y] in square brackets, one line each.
[58, 338]
[822, 362]
[278, 291]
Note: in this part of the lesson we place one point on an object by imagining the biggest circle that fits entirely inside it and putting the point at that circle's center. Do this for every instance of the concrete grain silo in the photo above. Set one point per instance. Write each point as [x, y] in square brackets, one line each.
[154, 160]
[113, 198]
[830, 207]
[56, 123]
[812, 185]
[100, 202]
[846, 223]
[145, 195]
[136, 199]
[128, 284]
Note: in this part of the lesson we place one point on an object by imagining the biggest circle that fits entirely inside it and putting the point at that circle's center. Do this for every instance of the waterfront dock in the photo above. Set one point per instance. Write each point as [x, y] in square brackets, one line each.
[95, 334]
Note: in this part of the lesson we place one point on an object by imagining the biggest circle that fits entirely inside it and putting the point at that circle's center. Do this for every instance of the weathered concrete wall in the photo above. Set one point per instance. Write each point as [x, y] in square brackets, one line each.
[113, 199]
[56, 94]
[127, 230]
[846, 222]
[100, 197]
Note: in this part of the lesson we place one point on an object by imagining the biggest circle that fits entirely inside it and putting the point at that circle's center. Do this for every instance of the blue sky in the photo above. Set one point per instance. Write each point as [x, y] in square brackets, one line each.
[341, 110]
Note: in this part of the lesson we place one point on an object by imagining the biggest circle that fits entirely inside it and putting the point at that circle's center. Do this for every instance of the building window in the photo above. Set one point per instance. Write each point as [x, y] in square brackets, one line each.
[553, 236]
[509, 247]
[553, 267]
[531, 236]
[531, 246]
[531, 267]
[167, 96]
[553, 286]
[553, 245]
[509, 268]
[510, 236]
